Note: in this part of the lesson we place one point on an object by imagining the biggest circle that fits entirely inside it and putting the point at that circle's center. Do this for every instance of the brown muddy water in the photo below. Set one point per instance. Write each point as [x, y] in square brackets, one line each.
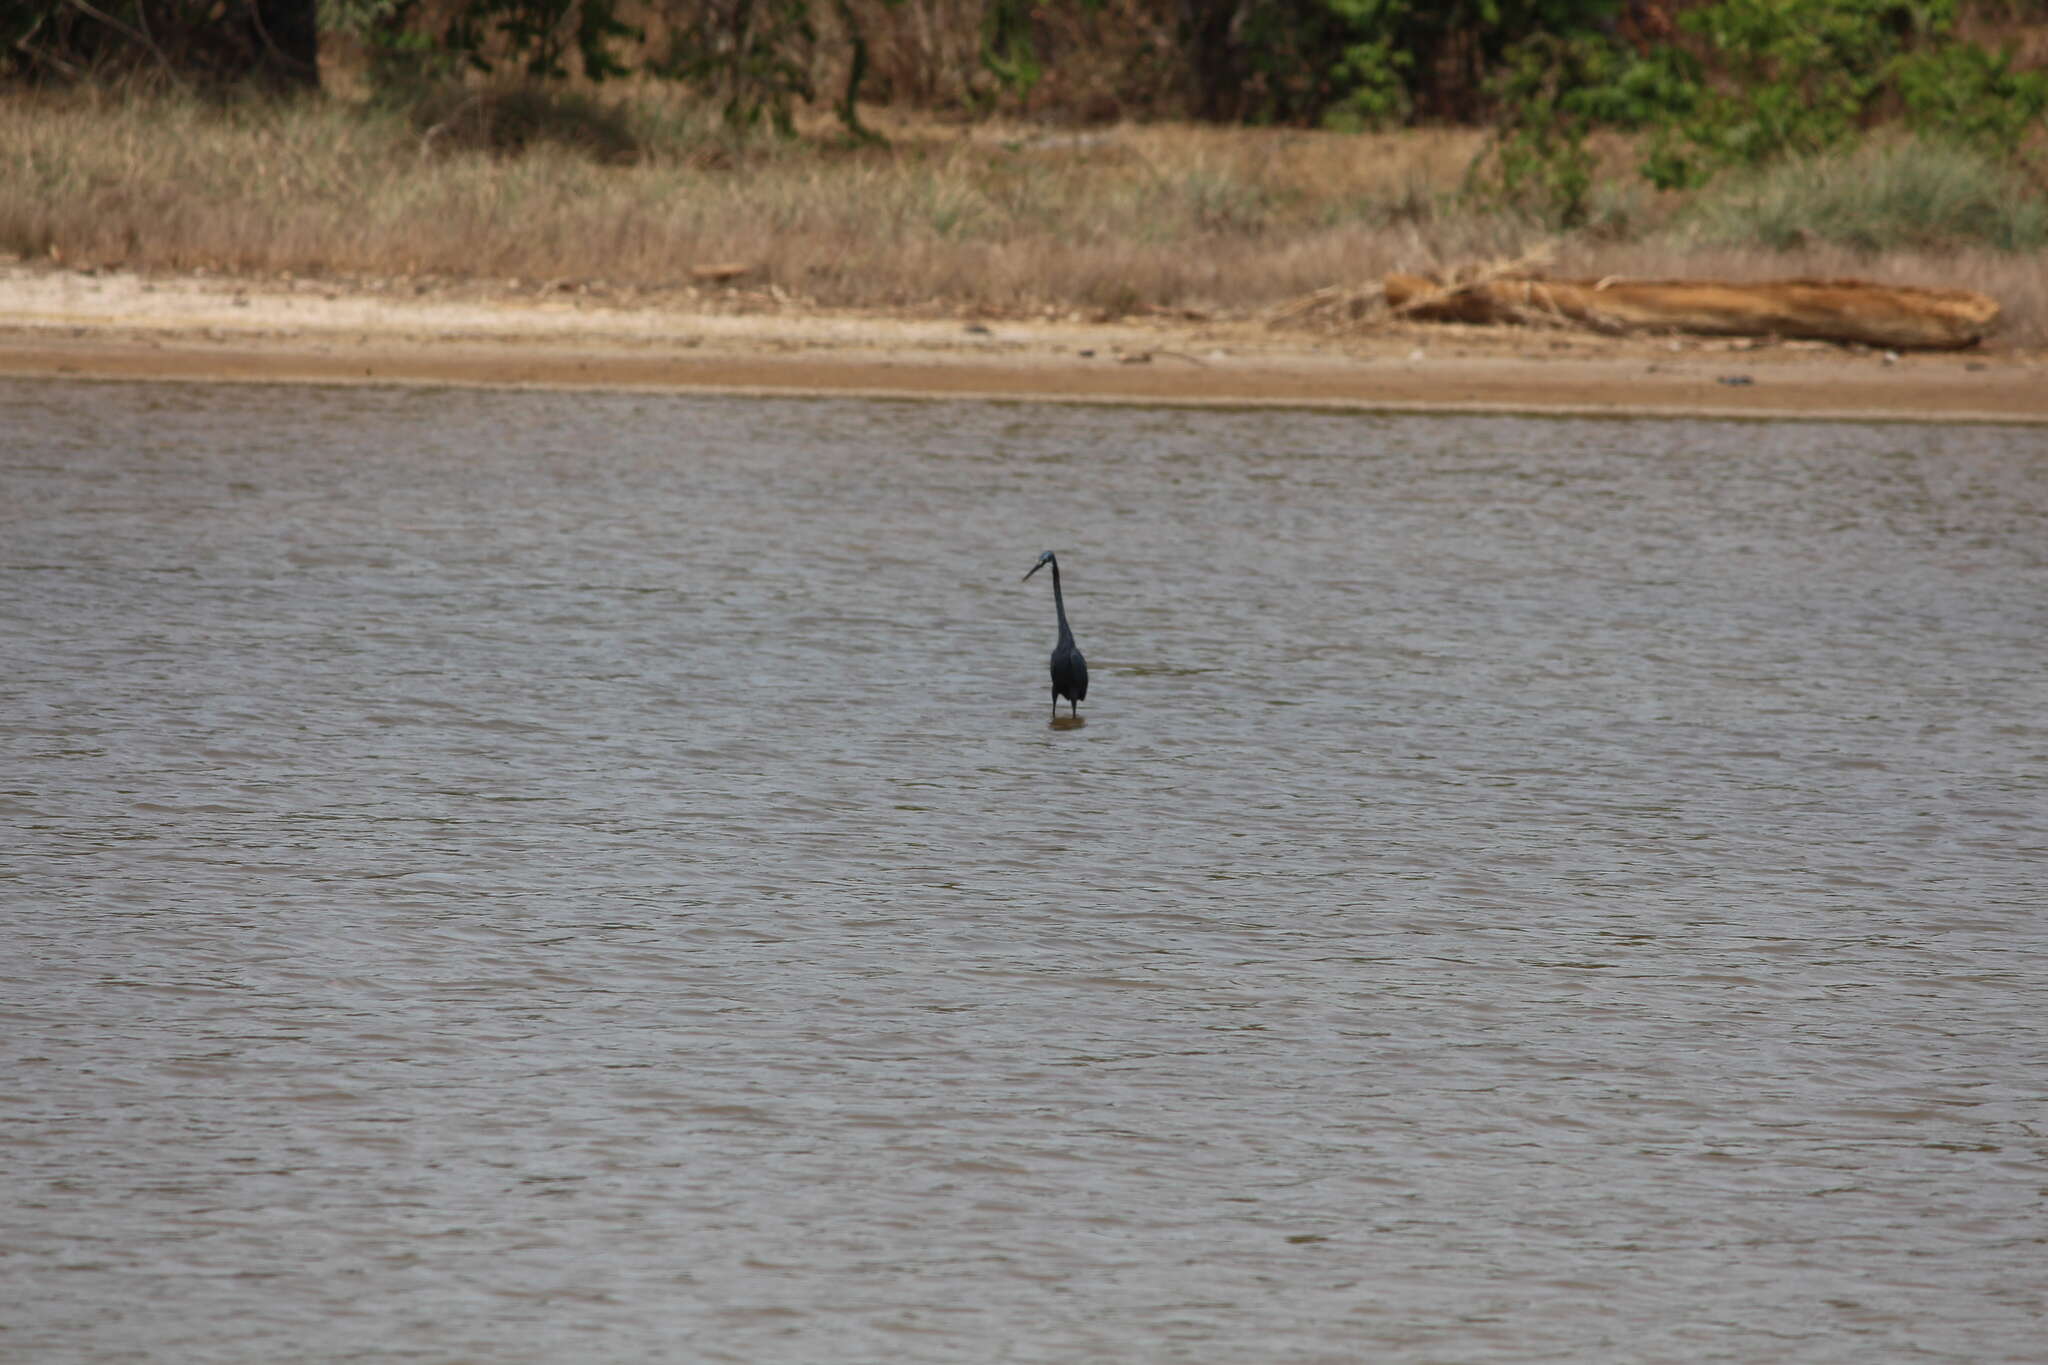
[539, 877]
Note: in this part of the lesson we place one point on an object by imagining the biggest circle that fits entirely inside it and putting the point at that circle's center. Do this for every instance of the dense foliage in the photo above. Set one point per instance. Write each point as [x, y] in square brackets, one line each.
[1747, 83]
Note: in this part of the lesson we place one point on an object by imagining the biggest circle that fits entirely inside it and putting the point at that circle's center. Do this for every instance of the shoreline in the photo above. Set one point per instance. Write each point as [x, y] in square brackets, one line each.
[114, 325]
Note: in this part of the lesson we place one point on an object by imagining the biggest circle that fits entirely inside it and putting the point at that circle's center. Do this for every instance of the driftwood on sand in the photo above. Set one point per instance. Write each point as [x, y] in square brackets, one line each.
[1894, 316]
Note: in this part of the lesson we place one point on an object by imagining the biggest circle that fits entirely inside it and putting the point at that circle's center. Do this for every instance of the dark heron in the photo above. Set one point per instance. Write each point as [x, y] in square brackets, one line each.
[1069, 669]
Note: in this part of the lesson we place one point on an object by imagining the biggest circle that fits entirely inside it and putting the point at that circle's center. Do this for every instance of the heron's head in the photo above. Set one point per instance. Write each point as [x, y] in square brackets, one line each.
[1043, 560]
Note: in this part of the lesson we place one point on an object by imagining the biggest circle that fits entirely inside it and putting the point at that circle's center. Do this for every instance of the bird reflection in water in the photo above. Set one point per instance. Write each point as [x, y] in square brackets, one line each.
[1069, 669]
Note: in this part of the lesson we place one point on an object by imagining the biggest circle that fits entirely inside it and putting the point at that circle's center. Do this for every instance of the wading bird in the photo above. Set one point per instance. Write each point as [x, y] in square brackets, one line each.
[1069, 669]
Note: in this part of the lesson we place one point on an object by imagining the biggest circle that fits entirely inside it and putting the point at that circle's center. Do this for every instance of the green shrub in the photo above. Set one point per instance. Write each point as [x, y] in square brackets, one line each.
[1972, 95]
[1395, 58]
[1798, 74]
[1554, 92]
[1768, 80]
[1796, 77]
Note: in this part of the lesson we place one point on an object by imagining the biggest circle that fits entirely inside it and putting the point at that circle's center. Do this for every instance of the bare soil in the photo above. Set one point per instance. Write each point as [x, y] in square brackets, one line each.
[87, 324]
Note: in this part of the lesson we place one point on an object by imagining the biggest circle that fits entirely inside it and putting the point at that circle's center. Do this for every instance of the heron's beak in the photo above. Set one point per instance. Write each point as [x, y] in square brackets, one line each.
[1035, 568]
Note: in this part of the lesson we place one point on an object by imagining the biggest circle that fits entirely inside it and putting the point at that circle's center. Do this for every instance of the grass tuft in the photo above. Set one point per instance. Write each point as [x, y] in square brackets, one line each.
[1885, 196]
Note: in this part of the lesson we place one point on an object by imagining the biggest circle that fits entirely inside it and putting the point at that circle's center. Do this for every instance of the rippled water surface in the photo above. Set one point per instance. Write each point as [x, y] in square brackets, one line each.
[531, 878]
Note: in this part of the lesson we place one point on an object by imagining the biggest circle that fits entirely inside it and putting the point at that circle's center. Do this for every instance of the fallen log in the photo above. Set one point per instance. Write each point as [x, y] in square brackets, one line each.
[1895, 316]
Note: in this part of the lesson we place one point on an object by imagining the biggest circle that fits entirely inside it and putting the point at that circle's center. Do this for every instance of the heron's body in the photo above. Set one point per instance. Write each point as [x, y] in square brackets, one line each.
[1069, 669]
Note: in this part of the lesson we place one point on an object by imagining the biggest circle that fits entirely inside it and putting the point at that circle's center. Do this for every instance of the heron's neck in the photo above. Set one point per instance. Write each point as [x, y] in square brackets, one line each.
[1059, 603]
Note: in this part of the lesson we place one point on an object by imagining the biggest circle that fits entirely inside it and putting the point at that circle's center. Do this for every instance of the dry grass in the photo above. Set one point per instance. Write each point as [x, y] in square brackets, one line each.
[980, 219]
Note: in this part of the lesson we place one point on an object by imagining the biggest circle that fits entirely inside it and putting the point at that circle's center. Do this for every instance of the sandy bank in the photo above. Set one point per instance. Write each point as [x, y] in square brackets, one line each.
[118, 325]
